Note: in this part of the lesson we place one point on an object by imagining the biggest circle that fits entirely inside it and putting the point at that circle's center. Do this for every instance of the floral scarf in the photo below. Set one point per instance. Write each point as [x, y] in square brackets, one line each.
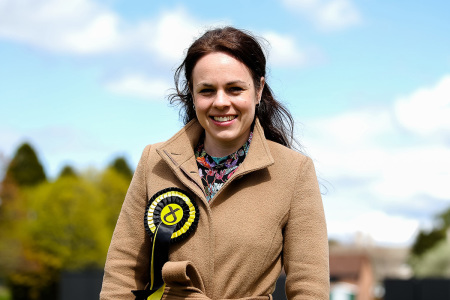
[215, 171]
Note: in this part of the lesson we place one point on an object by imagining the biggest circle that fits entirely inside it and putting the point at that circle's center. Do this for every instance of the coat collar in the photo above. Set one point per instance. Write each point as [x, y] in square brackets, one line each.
[178, 153]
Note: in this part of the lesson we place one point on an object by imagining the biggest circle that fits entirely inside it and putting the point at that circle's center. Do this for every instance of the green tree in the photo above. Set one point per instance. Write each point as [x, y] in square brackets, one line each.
[17, 263]
[68, 223]
[427, 240]
[121, 166]
[445, 218]
[25, 168]
[63, 227]
[47, 227]
[435, 262]
[12, 214]
[430, 251]
[67, 171]
[114, 187]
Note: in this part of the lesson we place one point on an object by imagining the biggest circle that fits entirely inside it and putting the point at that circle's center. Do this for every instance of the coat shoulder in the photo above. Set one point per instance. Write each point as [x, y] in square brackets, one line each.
[282, 153]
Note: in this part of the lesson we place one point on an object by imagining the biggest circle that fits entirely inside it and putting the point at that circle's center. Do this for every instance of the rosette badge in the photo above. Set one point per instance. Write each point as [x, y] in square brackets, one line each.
[170, 216]
[171, 207]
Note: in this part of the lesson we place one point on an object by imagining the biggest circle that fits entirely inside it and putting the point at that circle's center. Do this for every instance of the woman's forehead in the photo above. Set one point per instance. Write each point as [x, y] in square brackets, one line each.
[220, 66]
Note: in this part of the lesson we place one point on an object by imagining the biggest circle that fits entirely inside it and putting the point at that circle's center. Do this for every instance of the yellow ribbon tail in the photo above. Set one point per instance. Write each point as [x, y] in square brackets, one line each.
[158, 294]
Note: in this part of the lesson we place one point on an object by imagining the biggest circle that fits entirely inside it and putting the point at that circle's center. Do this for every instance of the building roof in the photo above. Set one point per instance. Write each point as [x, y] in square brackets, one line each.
[346, 266]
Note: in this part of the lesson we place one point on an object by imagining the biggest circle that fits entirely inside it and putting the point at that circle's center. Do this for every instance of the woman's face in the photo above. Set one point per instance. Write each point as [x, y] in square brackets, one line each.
[225, 98]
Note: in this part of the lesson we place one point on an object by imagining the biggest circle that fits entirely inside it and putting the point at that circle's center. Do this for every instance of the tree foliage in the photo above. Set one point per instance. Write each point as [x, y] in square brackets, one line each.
[445, 219]
[12, 215]
[25, 168]
[121, 166]
[67, 171]
[427, 240]
[435, 262]
[68, 223]
[430, 253]
[114, 187]
[60, 225]
[50, 226]
[23, 171]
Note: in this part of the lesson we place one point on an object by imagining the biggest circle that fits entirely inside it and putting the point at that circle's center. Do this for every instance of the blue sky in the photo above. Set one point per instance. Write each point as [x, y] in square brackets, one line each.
[368, 83]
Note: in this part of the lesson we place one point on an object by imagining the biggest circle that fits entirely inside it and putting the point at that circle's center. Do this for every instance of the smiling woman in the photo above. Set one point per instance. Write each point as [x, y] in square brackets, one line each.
[225, 99]
[227, 202]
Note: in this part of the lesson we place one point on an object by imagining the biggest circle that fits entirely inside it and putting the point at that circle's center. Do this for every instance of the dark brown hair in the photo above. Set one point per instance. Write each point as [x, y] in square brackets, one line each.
[275, 119]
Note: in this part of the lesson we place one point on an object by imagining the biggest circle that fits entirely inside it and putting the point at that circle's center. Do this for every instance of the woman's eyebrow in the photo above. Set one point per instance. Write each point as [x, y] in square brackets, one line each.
[236, 81]
[205, 84]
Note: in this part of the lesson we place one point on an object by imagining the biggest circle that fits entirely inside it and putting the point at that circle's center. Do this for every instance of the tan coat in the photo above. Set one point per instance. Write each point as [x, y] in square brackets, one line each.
[269, 214]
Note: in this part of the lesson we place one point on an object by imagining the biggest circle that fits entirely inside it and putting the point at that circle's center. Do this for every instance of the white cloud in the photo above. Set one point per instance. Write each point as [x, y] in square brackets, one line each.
[99, 35]
[174, 32]
[416, 170]
[348, 139]
[328, 15]
[140, 86]
[427, 110]
[337, 14]
[84, 27]
[74, 26]
[378, 226]
[284, 50]
[371, 165]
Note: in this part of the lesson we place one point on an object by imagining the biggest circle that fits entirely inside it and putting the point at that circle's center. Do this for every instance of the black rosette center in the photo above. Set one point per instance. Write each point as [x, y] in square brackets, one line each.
[171, 207]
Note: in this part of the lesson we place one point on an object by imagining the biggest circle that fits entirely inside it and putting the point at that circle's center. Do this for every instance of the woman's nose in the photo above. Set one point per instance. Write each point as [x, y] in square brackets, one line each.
[221, 100]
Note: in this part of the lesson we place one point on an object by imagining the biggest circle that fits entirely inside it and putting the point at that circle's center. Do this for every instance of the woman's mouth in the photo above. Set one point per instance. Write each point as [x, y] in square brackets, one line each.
[223, 118]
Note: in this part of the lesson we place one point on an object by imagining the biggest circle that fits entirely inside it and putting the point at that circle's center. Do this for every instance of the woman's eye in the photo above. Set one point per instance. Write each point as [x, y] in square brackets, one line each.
[236, 89]
[206, 91]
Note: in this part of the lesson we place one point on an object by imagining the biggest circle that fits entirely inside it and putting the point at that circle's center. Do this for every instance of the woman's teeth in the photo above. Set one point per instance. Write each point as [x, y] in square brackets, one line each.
[224, 119]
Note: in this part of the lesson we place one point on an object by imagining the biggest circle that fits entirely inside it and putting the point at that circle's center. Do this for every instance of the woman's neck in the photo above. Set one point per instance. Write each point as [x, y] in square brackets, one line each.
[216, 149]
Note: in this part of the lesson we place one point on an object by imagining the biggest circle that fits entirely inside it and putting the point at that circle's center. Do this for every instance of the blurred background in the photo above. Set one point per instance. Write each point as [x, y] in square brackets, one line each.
[83, 87]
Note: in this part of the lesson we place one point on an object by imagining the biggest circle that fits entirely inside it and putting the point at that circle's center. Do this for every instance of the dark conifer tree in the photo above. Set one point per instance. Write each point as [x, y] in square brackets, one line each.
[67, 171]
[25, 168]
[121, 166]
[427, 240]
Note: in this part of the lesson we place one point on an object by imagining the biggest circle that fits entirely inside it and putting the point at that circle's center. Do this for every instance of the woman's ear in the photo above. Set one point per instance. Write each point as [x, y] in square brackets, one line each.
[260, 90]
[190, 91]
[192, 96]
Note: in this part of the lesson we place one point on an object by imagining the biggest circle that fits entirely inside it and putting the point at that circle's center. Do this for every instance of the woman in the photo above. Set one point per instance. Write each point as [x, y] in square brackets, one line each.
[259, 202]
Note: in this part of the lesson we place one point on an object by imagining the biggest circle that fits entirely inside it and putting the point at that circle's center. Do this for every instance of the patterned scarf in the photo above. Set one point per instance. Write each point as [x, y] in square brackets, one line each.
[215, 171]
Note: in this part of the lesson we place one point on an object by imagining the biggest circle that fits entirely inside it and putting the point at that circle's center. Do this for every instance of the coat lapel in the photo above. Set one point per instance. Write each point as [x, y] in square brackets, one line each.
[259, 156]
[178, 153]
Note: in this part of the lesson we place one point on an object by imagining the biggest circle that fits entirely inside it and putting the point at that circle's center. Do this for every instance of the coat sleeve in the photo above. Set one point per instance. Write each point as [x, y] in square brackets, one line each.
[305, 249]
[127, 261]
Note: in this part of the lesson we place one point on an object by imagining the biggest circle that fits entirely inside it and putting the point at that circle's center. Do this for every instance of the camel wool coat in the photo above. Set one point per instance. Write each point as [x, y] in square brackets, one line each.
[269, 214]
